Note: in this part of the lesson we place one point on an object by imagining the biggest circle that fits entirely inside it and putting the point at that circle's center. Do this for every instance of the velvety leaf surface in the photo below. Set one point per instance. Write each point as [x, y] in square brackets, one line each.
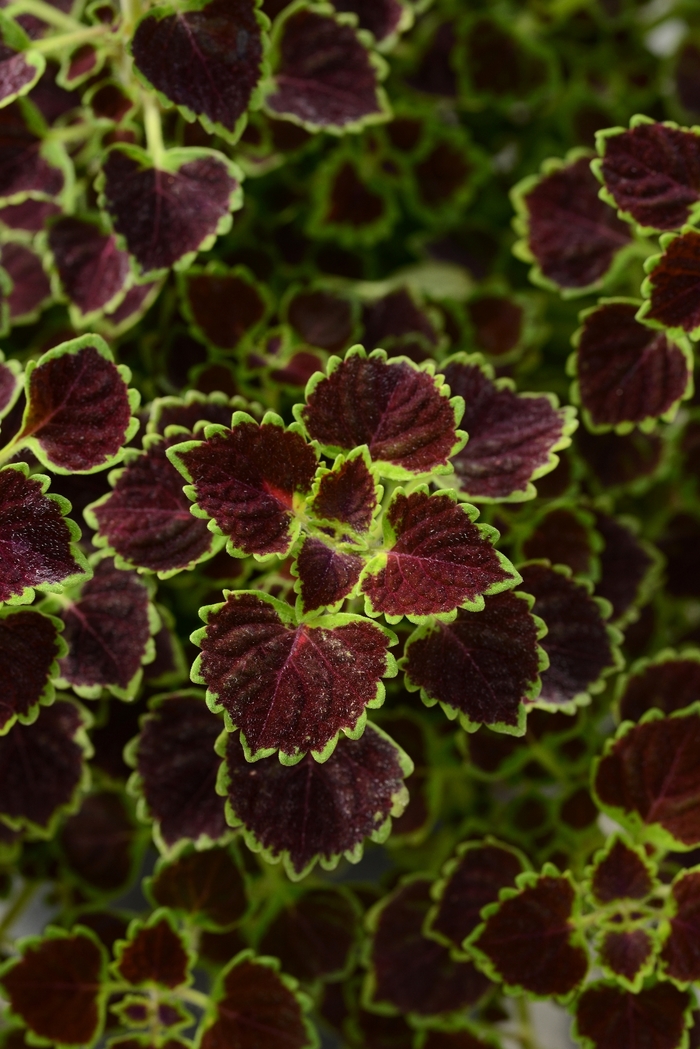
[98, 841]
[31, 289]
[576, 642]
[615, 1019]
[393, 408]
[411, 972]
[29, 647]
[652, 773]
[669, 685]
[482, 664]
[624, 564]
[206, 59]
[511, 437]
[55, 988]
[528, 940]
[318, 809]
[287, 686]
[481, 870]
[41, 765]
[323, 77]
[681, 951]
[107, 629]
[626, 371]
[147, 519]
[176, 762]
[653, 172]
[620, 875]
[346, 494]
[23, 168]
[314, 937]
[246, 479]
[673, 284]
[78, 412]
[207, 886]
[625, 953]
[223, 305]
[153, 954]
[437, 559]
[91, 268]
[326, 575]
[254, 1007]
[164, 215]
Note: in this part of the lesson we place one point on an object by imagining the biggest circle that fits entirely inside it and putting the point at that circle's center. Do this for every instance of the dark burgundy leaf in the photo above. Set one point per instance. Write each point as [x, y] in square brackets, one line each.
[512, 437]
[610, 1018]
[500, 65]
[324, 76]
[483, 665]
[395, 315]
[30, 644]
[154, 953]
[565, 537]
[138, 299]
[224, 305]
[381, 17]
[681, 949]
[530, 940]
[99, 842]
[166, 214]
[187, 411]
[318, 810]
[82, 62]
[628, 373]
[10, 384]
[410, 972]
[51, 98]
[290, 686]
[473, 880]
[651, 775]
[26, 168]
[255, 1007]
[326, 575]
[31, 289]
[205, 58]
[352, 209]
[91, 268]
[347, 493]
[577, 641]
[625, 953]
[437, 559]
[396, 409]
[206, 886]
[246, 478]
[572, 235]
[108, 628]
[498, 324]
[41, 766]
[177, 766]
[670, 684]
[37, 543]
[55, 987]
[321, 318]
[78, 415]
[30, 215]
[673, 282]
[146, 520]
[315, 936]
[20, 68]
[652, 172]
[620, 459]
[435, 74]
[620, 874]
[625, 565]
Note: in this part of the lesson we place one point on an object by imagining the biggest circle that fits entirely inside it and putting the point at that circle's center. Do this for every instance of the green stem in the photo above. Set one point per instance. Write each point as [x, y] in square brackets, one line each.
[131, 12]
[9, 450]
[15, 909]
[46, 13]
[526, 1033]
[198, 998]
[58, 43]
[154, 129]
[545, 758]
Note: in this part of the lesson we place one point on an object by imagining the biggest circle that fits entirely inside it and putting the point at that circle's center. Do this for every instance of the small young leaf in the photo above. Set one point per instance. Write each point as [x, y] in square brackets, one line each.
[620, 873]
[671, 289]
[91, 269]
[78, 413]
[322, 318]
[56, 987]
[680, 955]
[316, 810]
[315, 936]
[31, 289]
[627, 955]
[189, 410]
[20, 65]
[566, 536]
[671, 682]
[347, 494]
[225, 306]
[206, 886]
[290, 686]
[610, 1018]
[482, 666]
[326, 575]
[30, 646]
[401, 412]
[153, 953]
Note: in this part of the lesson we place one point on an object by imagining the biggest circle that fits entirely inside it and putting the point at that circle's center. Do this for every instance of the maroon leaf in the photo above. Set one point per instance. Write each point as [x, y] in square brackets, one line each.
[166, 214]
[650, 776]
[41, 766]
[26, 167]
[154, 953]
[206, 59]
[290, 686]
[577, 642]
[498, 324]
[620, 874]
[187, 411]
[138, 299]
[318, 810]
[30, 645]
[30, 215]
[321, 318]
[346, 494]
[651, 172]
[671, 289]
[224, 305]
[324, 77]
[108, 626]
[625, 565]
[93, 272]
[626, 372]
[99, 842]
[680, 955]
[616, 460]
[566, 537]
[37, 544]
[395, 315]
[20, 67]
[177, 768]
[571, 235]
[315, 936]
[625, 954]
[610, 1018]
[146, 520]
[410, 972]
[436, 559]
[206, 886]
[246, 478]
[670, 684]
[529, 940]
[326, 575]
[78, 414]
[512, 437]
[482, 666]
[471, 881]
[398, 410]
[381, 17]
[31, 290]
[56, 987]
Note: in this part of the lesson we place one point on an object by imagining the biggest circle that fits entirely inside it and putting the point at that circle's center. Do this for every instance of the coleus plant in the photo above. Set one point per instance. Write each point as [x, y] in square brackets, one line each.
[349, 569]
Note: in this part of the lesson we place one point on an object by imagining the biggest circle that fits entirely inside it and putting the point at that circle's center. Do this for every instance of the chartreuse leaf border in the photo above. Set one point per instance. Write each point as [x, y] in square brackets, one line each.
[14, 37]
[137, 925]
[183, 851]
[687, 653]
[327, 863]
[48, 693]
[522, 531]
[643, 313]
[215, 268]
[289, 618]
[15, 368]
[53, 152]
[590, 1043]
[346, 234]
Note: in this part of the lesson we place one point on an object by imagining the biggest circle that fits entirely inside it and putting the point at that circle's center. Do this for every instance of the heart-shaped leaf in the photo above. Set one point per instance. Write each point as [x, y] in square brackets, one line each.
[206, 886]
[30, 646]
[92, 272]
[153, 953]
